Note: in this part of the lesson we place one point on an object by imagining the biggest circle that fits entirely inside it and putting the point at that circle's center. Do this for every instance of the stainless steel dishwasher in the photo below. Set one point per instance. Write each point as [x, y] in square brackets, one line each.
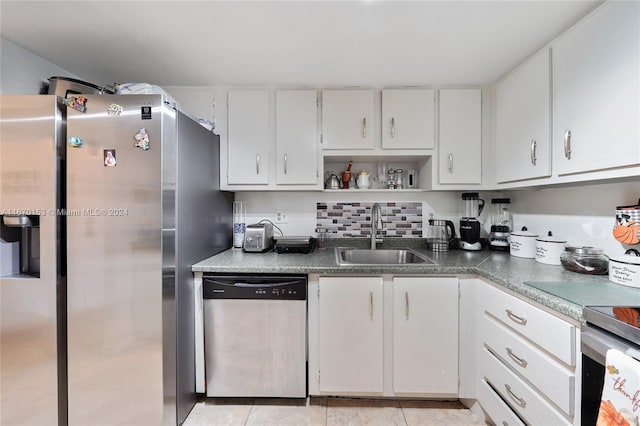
[255, 329]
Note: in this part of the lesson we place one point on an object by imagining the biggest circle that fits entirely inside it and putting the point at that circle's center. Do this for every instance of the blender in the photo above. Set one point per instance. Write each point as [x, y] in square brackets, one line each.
[501, 224]
[469, 224]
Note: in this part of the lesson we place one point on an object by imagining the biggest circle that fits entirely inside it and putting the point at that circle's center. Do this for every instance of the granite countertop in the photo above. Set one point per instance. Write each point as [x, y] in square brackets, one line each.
[563, 291]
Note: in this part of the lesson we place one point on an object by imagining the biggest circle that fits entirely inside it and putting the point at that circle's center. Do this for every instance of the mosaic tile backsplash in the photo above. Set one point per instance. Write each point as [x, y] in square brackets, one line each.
[354, 219]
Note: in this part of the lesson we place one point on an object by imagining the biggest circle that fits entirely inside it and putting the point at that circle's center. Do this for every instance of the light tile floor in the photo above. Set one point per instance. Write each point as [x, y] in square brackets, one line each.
[329, 412]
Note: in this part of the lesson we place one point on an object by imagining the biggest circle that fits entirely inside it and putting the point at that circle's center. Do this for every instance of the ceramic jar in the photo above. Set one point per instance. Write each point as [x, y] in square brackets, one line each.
[523, 243]
[549, 249]
[625, 269]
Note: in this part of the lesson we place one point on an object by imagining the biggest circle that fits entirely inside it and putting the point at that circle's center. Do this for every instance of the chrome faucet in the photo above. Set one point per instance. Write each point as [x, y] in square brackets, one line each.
[376, 224]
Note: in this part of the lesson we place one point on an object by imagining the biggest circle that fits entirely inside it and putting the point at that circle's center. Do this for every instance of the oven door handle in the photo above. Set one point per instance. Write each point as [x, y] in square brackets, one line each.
[595, 345]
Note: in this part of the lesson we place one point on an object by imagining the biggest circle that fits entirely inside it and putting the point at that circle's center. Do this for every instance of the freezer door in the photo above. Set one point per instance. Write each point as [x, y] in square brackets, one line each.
[115, 291]
[30, 128]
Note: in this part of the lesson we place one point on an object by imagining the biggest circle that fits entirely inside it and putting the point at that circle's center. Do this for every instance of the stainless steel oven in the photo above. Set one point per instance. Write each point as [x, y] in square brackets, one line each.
[604, 328]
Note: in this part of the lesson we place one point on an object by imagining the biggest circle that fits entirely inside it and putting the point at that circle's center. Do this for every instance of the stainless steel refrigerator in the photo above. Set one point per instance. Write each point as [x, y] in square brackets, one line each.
[136, 187]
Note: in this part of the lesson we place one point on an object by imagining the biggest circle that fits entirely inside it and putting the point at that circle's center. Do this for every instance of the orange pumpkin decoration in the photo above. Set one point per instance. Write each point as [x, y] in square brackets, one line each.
[609, 416]
[627, 234]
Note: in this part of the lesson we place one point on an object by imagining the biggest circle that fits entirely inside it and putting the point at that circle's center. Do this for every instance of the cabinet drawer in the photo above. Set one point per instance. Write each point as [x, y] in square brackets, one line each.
[529, 405]
[495, 407]
[555, 381]
[547, 331]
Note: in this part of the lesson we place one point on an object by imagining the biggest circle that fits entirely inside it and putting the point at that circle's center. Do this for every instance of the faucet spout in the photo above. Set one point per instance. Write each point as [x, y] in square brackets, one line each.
[376, 224]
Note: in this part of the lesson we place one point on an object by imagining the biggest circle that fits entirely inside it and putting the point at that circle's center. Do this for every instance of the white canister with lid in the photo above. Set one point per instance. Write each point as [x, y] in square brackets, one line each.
[549, 249]
[625, 269]
[523, 243]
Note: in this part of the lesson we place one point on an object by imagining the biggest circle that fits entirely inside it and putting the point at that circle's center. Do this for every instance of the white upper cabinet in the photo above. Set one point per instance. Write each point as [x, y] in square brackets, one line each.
[597, 91]
[248, 137]
[460, 142]
[408, 119]
[523, 122]
[296, 137]
[348, 119]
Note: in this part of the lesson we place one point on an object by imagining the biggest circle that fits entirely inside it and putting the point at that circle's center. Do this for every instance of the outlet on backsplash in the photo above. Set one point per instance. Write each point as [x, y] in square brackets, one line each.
[281, 216]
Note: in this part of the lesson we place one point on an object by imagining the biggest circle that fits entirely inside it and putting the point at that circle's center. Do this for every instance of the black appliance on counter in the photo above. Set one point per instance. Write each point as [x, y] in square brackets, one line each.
[295, 244]
[605, 328]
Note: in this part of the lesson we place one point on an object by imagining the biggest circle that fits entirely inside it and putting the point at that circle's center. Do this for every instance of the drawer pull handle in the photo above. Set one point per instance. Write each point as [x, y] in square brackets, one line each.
[521, 402]
[285, 164]
[406, 305]
[567, 144]
[371, 306]
[257, 164]
[450, 163]
[515, 318]
[505, 423]
[521, 362]
[393, 127]
[534, 145]
[364, 127]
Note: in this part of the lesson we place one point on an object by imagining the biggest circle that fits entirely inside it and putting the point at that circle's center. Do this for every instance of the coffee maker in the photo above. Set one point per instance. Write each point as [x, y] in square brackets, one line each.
[469, 224]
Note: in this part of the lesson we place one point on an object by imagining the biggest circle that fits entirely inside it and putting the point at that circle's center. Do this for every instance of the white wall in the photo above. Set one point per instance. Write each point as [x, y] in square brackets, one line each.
[22, 72]
[581, 214]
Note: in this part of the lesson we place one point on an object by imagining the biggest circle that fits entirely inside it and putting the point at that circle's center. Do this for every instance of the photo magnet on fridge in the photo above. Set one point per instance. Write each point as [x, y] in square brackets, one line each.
[109, 157]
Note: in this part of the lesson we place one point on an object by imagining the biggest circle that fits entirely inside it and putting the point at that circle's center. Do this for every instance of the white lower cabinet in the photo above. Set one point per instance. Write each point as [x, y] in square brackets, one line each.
[495, 407]
[350, 335]
[527, 361]
[384, 336]
[425, 335]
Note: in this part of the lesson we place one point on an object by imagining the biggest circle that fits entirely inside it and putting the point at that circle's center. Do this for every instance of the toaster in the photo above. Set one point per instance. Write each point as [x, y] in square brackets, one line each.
[258, 237]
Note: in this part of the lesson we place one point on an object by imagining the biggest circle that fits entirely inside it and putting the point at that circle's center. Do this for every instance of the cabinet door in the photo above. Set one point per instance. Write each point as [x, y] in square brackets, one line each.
[523, 118]
[596, 82]
[296, 137]
[425, 335]
[408, 119]
[350, 338]
[460, 147]
[347, 119]
[248, 137]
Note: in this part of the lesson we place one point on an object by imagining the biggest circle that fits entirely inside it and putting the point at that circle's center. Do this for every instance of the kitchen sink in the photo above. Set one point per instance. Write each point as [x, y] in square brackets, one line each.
[350, 256]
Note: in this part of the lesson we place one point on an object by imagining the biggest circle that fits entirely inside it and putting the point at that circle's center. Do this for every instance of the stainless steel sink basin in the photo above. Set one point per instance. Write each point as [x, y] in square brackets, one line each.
[351, 256]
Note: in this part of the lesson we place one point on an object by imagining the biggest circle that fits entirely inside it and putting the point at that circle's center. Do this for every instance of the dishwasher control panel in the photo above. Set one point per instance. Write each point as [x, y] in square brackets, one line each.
[280, 287]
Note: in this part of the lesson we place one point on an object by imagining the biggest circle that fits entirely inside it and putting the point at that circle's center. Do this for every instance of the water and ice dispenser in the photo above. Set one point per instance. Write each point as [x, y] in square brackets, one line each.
[20, 245]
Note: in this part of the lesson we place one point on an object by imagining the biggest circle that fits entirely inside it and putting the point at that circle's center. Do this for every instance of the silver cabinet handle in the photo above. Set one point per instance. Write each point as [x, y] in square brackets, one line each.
[371, 305]
[364, 127]
[521, 402]
[534, 145]
[505, 423]
[567, 144]
[520, 361]
[515, 318]
[393, 127]
[450, 163]
[406, 305]
[285, 164]
[257, 164]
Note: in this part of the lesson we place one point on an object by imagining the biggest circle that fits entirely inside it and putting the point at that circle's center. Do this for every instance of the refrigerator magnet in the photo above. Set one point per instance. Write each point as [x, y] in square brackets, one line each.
[109, 157]
[114, 109]
[76, 102]
[142, 139]
[75, 142]
[145, 113]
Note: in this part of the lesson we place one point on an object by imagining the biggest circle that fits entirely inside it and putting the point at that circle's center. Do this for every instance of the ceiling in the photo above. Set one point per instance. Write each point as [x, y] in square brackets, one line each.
[288, 43]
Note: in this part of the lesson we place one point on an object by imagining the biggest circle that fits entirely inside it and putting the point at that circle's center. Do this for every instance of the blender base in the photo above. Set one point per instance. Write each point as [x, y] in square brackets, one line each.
[470, 246]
